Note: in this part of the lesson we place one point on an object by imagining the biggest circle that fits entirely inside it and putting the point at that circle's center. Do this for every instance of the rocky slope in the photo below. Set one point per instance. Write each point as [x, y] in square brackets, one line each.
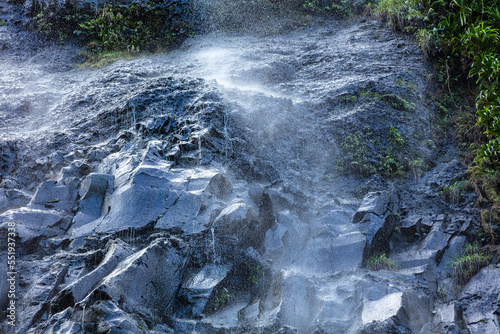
[210, 190]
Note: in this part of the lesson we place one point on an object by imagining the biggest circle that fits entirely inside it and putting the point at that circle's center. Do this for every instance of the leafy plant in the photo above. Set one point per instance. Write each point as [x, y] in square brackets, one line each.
[381, 262]
[223, 298]
[469, 263]
[454, 192]
[395, 136]
[147, 25]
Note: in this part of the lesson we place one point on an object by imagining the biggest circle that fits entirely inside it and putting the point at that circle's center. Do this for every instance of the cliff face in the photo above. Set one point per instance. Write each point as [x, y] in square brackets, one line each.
[238, 185]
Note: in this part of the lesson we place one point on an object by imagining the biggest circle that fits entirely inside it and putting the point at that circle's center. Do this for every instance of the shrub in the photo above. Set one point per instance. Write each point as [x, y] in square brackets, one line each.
[454, 192]
[381, 262]
[148, 25]
[469, 263]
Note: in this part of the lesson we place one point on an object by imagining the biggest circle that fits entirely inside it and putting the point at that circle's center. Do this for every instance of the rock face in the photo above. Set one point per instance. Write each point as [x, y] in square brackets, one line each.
[208, 191]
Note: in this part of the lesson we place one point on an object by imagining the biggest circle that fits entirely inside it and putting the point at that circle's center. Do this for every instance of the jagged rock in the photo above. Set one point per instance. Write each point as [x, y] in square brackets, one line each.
[378, 203]
[378, 232]
[398, 312]
[60, 195]
[152, 274]
[299, 302]
[32, 223]
[13, 199]
[197, 289]
[220, 186]
[93, 192]
[101, 317]
[116, 252]
[235, 218]
[479, 302]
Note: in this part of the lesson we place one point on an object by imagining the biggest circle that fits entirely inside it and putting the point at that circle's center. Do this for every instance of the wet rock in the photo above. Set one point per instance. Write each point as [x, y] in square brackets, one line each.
[220, 186]
[60, 195]
[382, 309]
[116, 252]
[32, 223]
[13, 199]
[377, 203]
[197, 289]
[378, 232]
[398, 312]
[299, 303]
[93, 192]
[330, 253]
[138, 202]
[479, 301]
[159, 266]
[235, 219]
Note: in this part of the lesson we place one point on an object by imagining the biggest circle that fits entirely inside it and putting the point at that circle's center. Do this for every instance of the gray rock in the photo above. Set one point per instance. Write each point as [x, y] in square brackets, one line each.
[220, 186]
[402, 312]
[32, 223]
[378, 203]
[93, 192]
[197, 289]
[116, 252]
[13, 199]
[479, 301]
[234, 218]
[153, 274]
[60, 195]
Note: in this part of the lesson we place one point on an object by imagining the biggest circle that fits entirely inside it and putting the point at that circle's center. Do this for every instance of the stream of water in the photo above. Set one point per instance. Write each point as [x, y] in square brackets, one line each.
[282, 115]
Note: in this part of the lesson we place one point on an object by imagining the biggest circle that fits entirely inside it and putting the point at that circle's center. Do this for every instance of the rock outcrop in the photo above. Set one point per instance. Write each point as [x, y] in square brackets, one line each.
[213, 190]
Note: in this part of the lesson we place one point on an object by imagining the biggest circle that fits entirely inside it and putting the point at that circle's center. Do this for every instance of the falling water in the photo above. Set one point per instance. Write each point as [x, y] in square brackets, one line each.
[83, 315]
[212, 243]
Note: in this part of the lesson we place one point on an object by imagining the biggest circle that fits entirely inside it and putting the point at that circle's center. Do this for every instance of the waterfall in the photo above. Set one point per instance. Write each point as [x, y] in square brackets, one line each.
[212, 244]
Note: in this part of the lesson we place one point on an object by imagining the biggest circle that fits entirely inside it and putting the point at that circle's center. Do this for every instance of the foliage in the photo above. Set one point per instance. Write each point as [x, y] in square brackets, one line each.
[462, 37]
[469, 263]
[454, 192]
[398, 102]
[381, 262]
[366, 154]
[223, 298]
[399, 13]
[149, 25]
[2, 23]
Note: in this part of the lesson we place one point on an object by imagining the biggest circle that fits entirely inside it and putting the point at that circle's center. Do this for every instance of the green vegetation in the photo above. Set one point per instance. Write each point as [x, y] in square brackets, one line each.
[148, 25]
[442, 292]
[255, 274]
[366, 154]
[462, 38]
[223, 298]
[381, 262]
[2, 23]
[454, 192]
[469, 263]
[398, 102]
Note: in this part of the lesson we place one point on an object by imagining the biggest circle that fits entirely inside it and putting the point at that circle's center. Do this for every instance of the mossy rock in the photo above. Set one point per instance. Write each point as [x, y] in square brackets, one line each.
[398, 102]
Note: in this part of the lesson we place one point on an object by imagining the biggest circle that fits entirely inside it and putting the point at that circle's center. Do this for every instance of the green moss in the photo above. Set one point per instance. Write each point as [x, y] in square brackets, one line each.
[381, 262]
[369, 95]
[469, 263]
[399, 103]
[348, 98]
[365, 153]
[101, 59]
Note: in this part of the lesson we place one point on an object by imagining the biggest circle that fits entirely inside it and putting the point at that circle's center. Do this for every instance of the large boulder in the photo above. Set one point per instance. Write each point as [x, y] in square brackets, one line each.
[93, 191]
[145, 282]
[33, 223]
[479, 302]
[59, 195]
